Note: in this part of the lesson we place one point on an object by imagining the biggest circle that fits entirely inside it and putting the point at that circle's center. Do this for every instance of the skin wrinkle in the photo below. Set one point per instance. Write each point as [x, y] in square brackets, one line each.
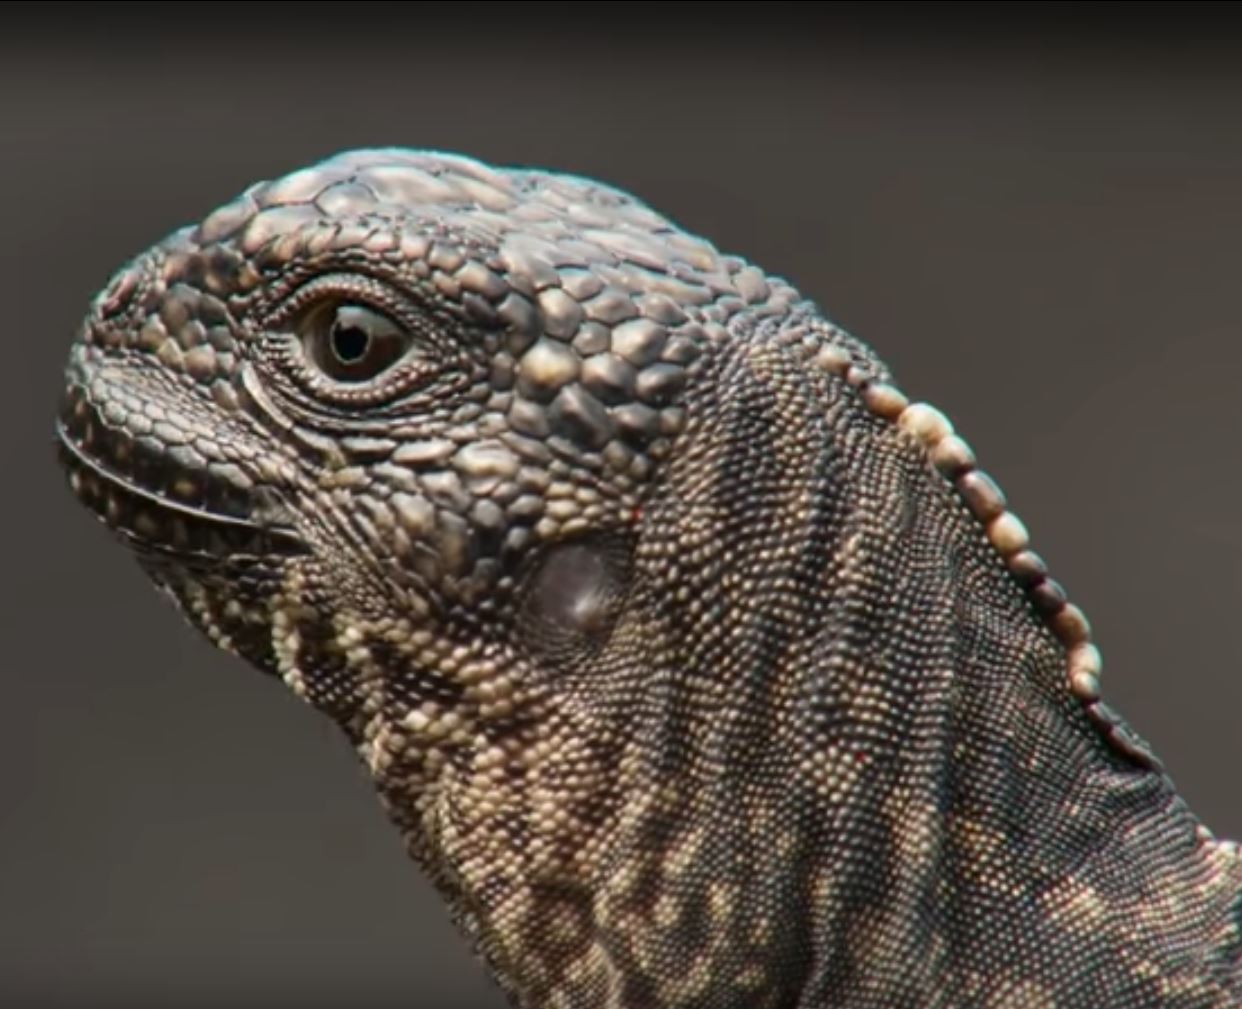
[696, 665]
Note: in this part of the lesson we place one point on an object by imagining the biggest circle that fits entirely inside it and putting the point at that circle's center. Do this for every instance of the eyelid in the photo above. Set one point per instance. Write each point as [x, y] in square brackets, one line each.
[364, 290]
[428, 357]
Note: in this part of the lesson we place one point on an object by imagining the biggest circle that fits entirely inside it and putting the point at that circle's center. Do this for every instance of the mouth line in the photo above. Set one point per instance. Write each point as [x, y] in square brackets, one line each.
[225, 533]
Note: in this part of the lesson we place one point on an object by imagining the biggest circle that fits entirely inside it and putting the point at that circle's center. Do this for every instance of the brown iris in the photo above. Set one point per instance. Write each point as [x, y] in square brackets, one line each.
[349, 342]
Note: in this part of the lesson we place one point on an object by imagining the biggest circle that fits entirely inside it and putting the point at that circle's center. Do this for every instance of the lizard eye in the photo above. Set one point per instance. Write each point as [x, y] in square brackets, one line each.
[353, 343]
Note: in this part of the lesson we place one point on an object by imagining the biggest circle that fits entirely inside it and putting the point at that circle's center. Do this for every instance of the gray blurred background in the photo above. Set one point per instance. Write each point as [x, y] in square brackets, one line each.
[1035, 220]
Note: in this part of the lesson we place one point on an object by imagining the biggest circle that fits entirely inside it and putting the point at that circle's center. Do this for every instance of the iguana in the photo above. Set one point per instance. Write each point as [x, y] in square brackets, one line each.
[697, 666]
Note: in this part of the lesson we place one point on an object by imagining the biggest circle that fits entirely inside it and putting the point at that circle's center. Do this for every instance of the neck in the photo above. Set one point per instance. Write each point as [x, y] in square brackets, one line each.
[931, 851]
[852, 774]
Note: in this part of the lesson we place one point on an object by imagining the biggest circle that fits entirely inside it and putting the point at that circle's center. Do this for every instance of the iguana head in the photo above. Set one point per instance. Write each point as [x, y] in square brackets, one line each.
[651, 606]
[392, 428]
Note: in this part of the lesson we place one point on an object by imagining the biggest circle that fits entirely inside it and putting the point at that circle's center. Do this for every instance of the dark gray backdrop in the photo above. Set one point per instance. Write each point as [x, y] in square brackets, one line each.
[1036, 222]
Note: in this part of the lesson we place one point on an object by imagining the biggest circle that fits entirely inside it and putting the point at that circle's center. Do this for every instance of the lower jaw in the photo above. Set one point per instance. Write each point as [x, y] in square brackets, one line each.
[158, 527]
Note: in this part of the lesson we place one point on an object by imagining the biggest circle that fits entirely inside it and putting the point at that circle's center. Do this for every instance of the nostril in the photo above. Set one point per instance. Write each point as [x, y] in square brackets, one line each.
[117, 295]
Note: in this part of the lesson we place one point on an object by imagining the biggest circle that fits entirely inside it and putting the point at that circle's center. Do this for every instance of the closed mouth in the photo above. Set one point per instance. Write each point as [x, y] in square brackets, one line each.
[152, 521]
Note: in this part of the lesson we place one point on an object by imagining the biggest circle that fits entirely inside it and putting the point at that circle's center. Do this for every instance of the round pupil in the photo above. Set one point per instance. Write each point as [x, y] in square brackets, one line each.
[349, 341]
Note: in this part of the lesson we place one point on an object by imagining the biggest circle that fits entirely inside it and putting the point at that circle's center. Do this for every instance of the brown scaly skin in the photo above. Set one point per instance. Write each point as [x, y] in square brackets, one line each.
[696, 666]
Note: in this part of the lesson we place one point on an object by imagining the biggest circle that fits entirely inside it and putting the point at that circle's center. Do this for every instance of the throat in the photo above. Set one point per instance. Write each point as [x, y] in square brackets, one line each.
[985, 863]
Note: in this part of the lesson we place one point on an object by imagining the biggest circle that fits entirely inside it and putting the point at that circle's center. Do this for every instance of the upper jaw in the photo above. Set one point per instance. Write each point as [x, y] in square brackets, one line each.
[155, 491]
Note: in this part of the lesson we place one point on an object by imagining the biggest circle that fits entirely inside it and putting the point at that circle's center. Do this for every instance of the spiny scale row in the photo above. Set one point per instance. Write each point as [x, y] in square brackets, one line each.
[1005, 531]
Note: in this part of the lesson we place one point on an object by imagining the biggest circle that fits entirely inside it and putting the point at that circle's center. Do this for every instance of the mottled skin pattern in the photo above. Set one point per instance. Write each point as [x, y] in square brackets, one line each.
[697, 668]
